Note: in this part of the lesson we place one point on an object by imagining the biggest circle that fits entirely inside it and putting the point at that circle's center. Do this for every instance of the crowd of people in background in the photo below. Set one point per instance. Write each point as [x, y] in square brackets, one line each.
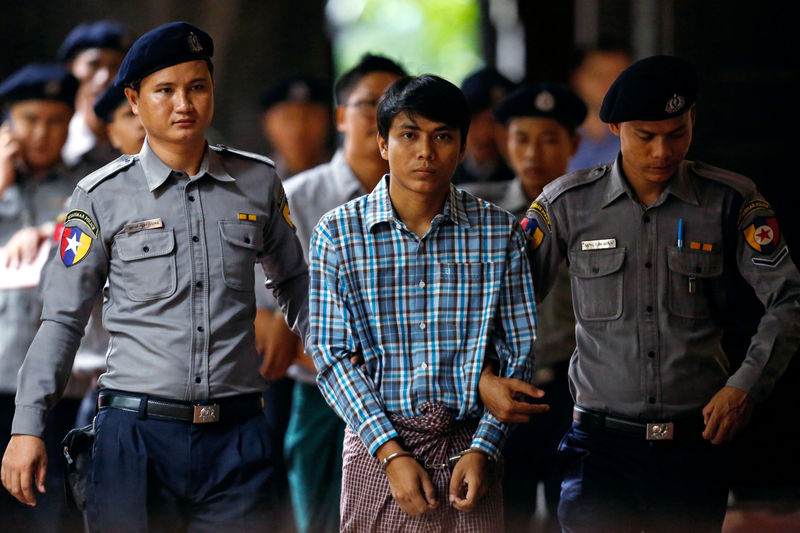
[65, 120]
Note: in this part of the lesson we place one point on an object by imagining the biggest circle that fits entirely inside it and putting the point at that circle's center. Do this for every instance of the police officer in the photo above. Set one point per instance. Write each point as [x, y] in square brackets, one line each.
[180, 437]
[123, 127]
[541, 121]
[652, 243]
[37, 103]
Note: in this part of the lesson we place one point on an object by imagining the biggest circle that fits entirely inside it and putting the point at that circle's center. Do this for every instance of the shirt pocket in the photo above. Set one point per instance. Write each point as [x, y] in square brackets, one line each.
[692, 275]
[149, 269]
[597, 283]
[466, 295]
[240, 243]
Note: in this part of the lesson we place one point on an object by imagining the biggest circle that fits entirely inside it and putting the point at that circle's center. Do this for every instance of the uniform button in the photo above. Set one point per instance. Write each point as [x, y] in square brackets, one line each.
[649, 308]
[191, 198]
[424, 366]
[247, 240]
[646, 219]
[145, 249]
[421, 284]
[651, 399]
[195, 238]
[422, 325]
[199, 284]
[197, 380]
[200, 329]
[698, 269]
[651, 354]
[595, 270]
[648, 265]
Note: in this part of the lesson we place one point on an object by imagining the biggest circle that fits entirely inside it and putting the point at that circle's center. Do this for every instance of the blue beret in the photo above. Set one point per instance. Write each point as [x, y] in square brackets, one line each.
[162, 47]
[100, 34]
[655, 88]
[109, 101]
[296, 89]
[485, 87]
[40, 81]
[547, 100]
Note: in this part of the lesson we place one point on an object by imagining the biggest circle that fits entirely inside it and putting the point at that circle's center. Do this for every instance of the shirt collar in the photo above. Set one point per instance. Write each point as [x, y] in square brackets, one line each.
[379, 206]
[680, 185]
[156, 171]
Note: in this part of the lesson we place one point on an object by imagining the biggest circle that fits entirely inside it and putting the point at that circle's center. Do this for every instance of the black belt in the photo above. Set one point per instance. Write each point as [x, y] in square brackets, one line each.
[222, 410]
[684, 428]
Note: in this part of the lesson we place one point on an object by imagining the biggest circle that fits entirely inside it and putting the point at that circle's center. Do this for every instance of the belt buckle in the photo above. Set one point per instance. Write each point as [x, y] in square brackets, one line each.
[660, 431]
[204, 414]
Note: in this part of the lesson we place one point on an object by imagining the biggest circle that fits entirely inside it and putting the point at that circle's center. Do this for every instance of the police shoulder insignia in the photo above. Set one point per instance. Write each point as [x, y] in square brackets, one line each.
[76, 241]
[751, 207]
[283, 206]
[533, 231]
[762, 235]
[539, 209]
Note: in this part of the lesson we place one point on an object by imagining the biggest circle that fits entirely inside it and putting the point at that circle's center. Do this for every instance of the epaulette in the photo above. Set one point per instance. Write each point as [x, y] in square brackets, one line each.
[576, 178]
[95, 178]
[242, 153]
[741, 184]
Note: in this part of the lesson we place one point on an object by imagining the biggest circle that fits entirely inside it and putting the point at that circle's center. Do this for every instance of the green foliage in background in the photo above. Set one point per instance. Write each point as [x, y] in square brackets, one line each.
[427, 36]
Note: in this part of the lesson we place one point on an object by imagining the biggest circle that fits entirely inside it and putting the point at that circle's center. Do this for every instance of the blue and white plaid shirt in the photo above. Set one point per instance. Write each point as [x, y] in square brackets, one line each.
[422, 311]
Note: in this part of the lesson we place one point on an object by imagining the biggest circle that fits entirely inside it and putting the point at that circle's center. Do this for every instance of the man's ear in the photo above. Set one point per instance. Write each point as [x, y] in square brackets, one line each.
[383, 146]
[133, 99]
[614, 127]
[693, 115]
[576, 143]
[339, 116]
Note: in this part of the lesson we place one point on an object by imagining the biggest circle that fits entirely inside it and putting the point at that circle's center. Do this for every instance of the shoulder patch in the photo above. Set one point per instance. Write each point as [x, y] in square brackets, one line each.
[738, 182]
[283, 206]
[751, 207]
[574, 179]
[98, 176]
[76, 242]
[538, 208]
[242, 153]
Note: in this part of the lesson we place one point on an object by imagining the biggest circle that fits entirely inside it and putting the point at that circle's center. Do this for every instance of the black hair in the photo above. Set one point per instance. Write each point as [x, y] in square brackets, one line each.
[428, 96]
[136, 85]
[369, 63]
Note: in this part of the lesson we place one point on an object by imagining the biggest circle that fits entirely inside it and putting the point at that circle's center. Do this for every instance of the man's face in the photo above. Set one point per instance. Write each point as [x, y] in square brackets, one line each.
[175, 104]
[422, 154]
[652, 150]
[126, 132]
[539, 150]
[41, 127]
[95, 68]
[357, 117]
[482, 139]
[298, 131]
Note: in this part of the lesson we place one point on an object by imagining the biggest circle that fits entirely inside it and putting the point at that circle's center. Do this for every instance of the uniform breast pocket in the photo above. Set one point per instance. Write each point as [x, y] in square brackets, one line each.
[692, 274]
[148, 270]
[240, 242]
[597, 283]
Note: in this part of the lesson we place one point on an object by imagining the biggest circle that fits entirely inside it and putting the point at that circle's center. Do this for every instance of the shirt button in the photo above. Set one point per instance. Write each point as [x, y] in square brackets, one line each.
[197, 380]
[195, 238]
[595, 269]
[200, 329]
[145, 249]
[191, 198]
[247, 240]
[651, 399]
[422, 325]
[199, 284]
[646, 219]
[651, 354]
[424, 366]
[649, 308]
[421, 284]
[648, 265]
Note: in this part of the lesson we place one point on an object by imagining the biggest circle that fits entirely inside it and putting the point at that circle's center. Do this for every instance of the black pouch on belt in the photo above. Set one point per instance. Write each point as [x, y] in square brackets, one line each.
[77, 453]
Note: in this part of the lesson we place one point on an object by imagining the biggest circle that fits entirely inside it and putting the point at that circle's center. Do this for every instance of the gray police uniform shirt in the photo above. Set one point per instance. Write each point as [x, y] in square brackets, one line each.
[25, 203]
[178, 252]
[555, 318]
[311, 194]
[650, 312]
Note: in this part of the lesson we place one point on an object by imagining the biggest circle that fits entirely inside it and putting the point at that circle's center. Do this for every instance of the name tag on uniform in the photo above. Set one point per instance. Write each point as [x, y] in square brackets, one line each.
[153, 223]
[600, 244]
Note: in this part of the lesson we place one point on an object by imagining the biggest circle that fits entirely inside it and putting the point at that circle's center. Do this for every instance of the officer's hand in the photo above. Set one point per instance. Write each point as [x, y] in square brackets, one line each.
[726, 414]
[22, 247]
[24, 462]
[357, 359]
[506, 397]
[275, 342]
[469, 481]
[411, 487]
[9, 151]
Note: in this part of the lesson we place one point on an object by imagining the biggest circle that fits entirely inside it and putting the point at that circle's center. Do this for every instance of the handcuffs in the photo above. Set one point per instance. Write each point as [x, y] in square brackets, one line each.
[425, 464]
